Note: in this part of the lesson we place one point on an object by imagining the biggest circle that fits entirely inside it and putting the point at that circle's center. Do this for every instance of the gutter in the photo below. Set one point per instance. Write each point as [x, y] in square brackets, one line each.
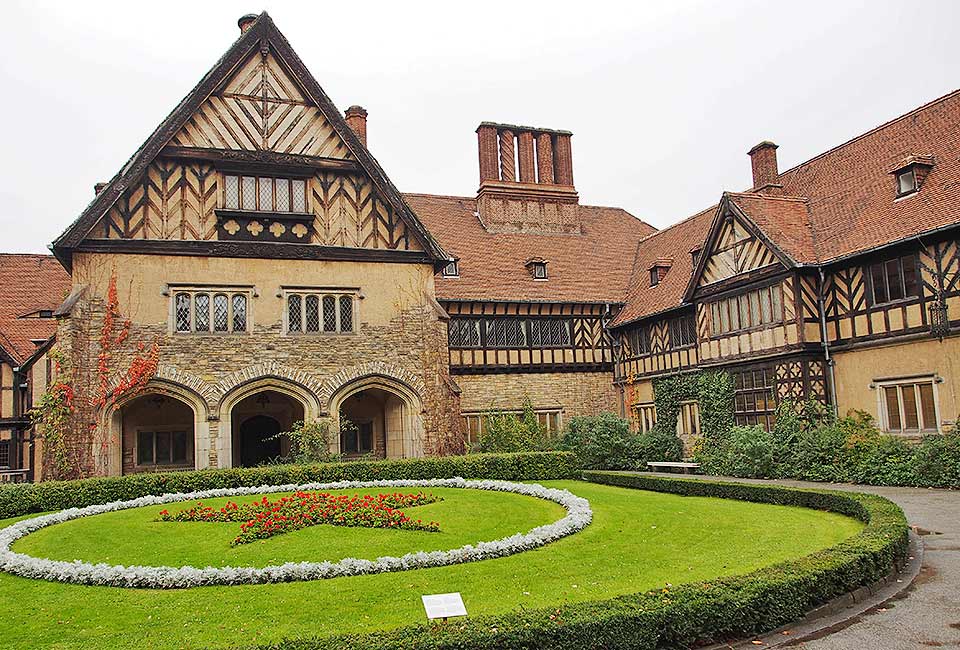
[826, 343]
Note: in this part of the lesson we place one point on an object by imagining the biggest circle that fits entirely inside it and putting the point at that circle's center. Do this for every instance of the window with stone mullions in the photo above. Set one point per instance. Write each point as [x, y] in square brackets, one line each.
[264, 193]
[192, 312]
[314, 313]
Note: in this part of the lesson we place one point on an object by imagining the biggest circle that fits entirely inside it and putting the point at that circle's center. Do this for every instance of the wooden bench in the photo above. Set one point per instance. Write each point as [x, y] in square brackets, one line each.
[669, 466]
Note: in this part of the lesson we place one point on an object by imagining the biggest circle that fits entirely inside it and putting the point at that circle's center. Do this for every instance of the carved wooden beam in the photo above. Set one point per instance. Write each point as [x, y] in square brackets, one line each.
[255, 160]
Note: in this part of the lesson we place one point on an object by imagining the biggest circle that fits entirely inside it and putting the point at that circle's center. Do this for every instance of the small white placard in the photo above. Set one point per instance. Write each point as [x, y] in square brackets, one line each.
[443, 605]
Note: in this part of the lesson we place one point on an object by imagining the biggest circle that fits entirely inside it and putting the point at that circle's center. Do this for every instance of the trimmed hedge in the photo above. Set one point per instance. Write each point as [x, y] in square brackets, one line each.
[22, 499]
[682, 616]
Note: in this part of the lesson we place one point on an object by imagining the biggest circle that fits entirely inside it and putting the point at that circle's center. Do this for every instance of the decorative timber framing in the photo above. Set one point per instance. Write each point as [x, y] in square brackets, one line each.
[264, 37]
[579, 341]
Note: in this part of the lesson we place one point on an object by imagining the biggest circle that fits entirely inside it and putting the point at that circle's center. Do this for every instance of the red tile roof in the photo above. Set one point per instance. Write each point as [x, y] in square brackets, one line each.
[593, 266]
[838, 204]
[28, 284]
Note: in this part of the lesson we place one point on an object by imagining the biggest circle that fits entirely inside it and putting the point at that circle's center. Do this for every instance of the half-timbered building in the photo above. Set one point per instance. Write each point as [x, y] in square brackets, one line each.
[253, 265]
[836, 281]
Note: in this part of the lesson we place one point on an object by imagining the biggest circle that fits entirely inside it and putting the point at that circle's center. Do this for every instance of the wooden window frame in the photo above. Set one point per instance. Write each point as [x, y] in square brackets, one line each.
[902, 384]
[258, 207]
[749, 416]
[730, 309]
[190, 459]
[881, 264]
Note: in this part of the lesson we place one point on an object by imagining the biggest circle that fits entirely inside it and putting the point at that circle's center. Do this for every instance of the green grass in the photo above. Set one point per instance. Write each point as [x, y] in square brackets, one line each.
[638, 540]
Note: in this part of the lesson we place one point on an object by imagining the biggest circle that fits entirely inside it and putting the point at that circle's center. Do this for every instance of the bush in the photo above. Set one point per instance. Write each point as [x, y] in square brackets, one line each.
[936, 461]
[684, 616]
[603, 442]
[660, 444]
[748, 451]
[26, 498]
[508, 432]
[310, 442]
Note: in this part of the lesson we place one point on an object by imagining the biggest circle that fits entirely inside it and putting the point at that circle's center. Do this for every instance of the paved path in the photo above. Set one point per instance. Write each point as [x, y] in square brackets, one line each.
[928, 615]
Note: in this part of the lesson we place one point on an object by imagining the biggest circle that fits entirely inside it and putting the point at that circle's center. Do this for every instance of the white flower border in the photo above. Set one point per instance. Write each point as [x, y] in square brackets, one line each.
[579, 515]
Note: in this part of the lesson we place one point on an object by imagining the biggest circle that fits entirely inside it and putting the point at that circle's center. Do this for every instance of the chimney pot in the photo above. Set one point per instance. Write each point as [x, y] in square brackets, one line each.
[246, 22]
[356, 117]
[763, 160]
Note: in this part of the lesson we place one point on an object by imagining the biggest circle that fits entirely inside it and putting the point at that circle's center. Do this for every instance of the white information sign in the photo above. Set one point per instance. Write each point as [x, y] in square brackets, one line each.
[443, 605]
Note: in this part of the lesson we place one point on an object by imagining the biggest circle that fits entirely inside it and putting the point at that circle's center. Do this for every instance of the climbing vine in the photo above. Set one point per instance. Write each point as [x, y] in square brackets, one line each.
[713, 392]
[88, 378]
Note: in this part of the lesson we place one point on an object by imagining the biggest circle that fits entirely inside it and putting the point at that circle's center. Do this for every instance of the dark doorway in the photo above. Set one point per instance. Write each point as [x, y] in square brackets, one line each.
[257, 441]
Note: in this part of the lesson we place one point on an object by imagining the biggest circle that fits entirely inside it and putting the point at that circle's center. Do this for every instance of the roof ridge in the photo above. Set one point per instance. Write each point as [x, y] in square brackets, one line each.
[757, 195]
[875, 129]
[440, 196]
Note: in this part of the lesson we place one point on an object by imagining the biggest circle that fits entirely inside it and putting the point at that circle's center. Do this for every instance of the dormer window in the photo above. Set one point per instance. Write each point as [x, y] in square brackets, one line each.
[695, 255]
[658, 270]
[537, 267]
[451, 270]
[910, 173]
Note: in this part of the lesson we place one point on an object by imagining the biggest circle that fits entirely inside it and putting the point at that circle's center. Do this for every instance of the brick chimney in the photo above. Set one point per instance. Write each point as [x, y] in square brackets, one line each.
[763, 160]
[246, 22]
[526, 179]
[357, 120]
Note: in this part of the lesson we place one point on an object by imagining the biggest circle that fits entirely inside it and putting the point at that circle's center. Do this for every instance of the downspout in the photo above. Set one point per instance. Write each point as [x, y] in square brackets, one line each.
[826, 344]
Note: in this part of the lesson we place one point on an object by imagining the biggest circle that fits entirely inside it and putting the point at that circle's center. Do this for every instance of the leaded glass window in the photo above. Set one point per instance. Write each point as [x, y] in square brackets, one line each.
[313, 313]
[294, 313]
[264, 193]
[464, 333]
[221, 321]
[346, 313]
[550, 333]
[201, 312]
[329, 314]
[239, 312]
[506, 333]
[192, 311]
[182, 306]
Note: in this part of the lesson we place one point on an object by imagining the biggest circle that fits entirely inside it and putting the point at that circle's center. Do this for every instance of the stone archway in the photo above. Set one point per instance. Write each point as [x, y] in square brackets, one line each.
[164, 426]
[386, 415]
[284, 401]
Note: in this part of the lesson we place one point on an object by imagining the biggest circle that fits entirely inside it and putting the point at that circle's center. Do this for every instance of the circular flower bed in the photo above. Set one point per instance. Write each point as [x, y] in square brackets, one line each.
[578, 517]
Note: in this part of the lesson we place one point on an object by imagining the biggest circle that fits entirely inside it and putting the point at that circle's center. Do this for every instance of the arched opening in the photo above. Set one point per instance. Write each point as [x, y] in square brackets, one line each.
[256, 420]
[379, 417]
[157, 433]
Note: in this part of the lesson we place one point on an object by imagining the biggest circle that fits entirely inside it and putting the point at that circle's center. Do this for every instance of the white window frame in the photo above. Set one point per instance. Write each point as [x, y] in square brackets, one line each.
[320, 292]
[192, 290]
[883, 416]
[451, 269]
[553, 411]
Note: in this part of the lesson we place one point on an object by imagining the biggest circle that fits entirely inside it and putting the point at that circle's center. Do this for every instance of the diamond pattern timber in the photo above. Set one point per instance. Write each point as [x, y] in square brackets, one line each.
[261, 109]
[736, 251]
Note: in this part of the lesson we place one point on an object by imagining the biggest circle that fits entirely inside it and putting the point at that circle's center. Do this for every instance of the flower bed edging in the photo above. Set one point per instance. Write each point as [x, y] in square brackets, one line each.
[579, 515]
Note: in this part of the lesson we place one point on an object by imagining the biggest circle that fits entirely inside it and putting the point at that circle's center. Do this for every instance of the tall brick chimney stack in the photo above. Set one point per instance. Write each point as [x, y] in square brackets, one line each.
[526, 179]
[763, 160]
[246, 22]
[357, 120]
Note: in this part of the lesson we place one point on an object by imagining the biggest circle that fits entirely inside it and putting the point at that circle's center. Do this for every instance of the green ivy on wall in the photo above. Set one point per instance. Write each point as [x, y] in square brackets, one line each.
[713, 392]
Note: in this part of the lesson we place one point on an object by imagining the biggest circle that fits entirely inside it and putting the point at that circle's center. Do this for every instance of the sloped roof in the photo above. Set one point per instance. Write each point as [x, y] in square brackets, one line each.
[28, 284]
[838, 204]
[263, 31]
[677, 241]
[590, 267]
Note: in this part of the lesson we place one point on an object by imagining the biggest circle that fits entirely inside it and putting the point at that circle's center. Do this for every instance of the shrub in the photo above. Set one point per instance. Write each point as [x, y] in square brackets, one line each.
[684, 616]
[936, 460]
[603, 442]
[748, 451]
[26, 498]
[508, 432]
[310, 442]
[660, 444]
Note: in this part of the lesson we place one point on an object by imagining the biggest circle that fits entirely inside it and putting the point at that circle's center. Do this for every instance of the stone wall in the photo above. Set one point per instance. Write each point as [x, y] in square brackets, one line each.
[577, 393]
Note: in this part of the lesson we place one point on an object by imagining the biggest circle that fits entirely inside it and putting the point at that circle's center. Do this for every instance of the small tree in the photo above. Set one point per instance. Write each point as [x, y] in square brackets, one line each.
[310, 442]
[509, 432]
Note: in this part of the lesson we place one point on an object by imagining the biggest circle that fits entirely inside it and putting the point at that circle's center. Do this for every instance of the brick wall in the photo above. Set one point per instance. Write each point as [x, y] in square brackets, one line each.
[577, 393]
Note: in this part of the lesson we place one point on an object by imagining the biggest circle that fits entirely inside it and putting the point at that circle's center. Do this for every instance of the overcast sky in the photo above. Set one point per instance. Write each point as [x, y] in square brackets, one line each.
[664, 98]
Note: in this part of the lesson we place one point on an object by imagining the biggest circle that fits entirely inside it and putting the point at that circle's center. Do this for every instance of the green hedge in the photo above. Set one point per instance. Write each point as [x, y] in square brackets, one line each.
[22, 499]
[682, 616]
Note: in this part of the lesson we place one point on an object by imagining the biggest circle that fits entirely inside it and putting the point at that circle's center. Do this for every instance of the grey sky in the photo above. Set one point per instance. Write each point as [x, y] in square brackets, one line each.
[664, 99]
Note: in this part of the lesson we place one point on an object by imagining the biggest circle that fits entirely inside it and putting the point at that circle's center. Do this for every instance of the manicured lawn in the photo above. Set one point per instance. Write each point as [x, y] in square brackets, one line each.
[638, 540]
